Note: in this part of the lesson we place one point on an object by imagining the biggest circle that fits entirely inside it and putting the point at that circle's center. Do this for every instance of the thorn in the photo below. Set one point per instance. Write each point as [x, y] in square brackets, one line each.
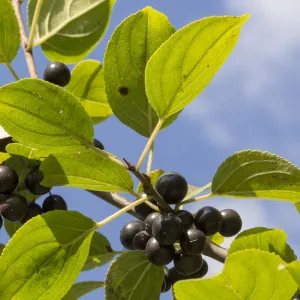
[129, 165]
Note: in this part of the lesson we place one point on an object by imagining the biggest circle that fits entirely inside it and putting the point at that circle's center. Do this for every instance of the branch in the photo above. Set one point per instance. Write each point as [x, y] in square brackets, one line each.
[215, 251]
[149, 190]
[28, 54]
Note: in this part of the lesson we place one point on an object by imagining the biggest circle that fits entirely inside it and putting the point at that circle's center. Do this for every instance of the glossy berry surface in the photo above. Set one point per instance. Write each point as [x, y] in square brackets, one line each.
[232, 223]
[8, 180]
[32, 183]
[128, 233]
[149, 221]
[57, 73]
[173, 276]
[98, 144]
[172, 187]
[167, 229]
[143, 210]
[202, 272]
[193, 241]
[14, 208]
[140, 240]
[166, 285]
[209, 220]
[186, 218]
[54, 202]
[33, 210]
[158, 254]
[187, 264]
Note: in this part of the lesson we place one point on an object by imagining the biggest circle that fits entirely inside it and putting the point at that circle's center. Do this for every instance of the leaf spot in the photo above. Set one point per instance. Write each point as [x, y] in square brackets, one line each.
[123, 90]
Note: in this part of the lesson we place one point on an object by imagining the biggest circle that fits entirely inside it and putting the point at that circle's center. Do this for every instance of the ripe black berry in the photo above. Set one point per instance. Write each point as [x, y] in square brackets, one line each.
[187, 264]
[57, 73]
[54, 202]
[209, 220]
[173, 276]
[143, 210]
[149, 221]
[193, 242]
[158, 254]
[172, 187]
[202, 272]
[8, 180]
[128, 233]
[186, 217]
[32, 211]
[140, 240]
[14, 208]
[232, 223]
[32, 183]
[98, 144]
[167, 229]
[166, 285]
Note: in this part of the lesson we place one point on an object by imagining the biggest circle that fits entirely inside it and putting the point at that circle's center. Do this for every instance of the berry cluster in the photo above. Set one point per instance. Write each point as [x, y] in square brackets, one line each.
[14, 207]
[180, 237]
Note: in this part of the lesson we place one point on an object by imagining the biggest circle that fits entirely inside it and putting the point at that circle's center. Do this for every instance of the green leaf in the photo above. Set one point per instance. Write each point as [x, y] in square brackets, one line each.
[294, 269]
[153, 178]
[100, 252]
[11, 227]
[9, 33]
[252, 173]
[185, 64]
[217, 238]
[85, 169]
[248, 274]
[4, 157]
[132, 276]
[68, 31]
[25, 151]
[131, 45]
[297, 206]
[194, 191]
[48, 117]
[87, 84]
[272, 240]
[1, 248]
[45, 256]
[82, 288]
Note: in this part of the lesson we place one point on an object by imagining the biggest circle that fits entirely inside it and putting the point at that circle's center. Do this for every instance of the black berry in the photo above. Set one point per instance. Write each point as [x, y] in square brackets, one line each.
[209, 220]
[8, 180]
[149, 221]
[187, 264]
[33, 210]
[167, 229]
[173, 276]
[57, 73]
[166, 285]
[172, 187]
[202, 272]
[128, 233]
[143, 210]
[186, 217]
[158, 254]
[32, 183]
[232, 223]
[98, 144]
[14, 208]
[193, 241]
[54, 202]
[140, 240]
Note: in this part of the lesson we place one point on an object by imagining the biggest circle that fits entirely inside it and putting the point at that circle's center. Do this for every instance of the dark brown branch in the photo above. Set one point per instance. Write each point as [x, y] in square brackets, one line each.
[28, 54]
[215, 251]
[149, 190]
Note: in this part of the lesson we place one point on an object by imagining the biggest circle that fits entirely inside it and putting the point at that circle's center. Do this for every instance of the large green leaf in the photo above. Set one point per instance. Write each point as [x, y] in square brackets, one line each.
[100, 252]
[132, 276]
[272, 240]
[85, 169]
[11, 227]
[247, 275]
[82, 288]
[9, 33]
[294, 269]
[69, 30]
[45, 256]
[185, 64]
[26, 151]
[252, 173]
[297, 206]
[1, 248]
[126, 56]
[47, 117]
[87, 84]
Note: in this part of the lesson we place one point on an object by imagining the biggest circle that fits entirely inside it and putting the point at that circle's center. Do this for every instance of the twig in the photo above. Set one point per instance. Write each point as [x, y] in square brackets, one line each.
[12, 71]
[28, 54]
[215, 251]
[150, 159]
[148, 188]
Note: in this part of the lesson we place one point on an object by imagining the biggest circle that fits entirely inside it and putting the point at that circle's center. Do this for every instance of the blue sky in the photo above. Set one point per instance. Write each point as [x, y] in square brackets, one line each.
[252, 103]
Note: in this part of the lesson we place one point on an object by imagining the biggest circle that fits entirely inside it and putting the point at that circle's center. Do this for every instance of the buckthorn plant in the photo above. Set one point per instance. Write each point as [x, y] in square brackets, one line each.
[150, 73]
